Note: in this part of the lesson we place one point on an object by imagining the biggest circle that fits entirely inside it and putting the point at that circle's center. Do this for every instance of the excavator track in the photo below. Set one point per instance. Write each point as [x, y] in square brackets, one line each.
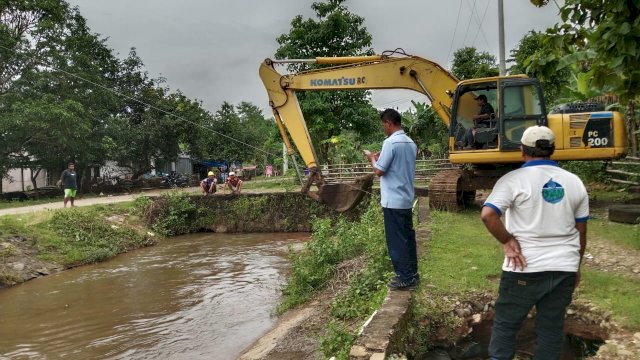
[446, 190]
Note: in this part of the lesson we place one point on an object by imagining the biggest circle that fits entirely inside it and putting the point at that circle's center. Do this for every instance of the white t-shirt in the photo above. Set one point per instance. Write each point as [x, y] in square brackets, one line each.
[542, 203]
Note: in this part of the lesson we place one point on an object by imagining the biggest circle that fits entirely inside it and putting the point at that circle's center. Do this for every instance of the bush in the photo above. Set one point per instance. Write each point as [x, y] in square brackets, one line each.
[333, 243]
[84, 236]
[588, 171]
[175, 213]
[141, 205]
[341, 247]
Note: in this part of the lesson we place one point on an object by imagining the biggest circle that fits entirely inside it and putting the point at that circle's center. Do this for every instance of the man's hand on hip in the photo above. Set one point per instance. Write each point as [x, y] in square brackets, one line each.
[513, 254]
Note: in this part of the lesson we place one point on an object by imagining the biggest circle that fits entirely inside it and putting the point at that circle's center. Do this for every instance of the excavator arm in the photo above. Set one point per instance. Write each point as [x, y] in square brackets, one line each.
[348, 73]
[352, 73]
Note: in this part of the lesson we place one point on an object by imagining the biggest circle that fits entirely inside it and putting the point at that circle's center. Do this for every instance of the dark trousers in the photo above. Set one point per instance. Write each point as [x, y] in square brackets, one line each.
[550, 292]
[401, 242]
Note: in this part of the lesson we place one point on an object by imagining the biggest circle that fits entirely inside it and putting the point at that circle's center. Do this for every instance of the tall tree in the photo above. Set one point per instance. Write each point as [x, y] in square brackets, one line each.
[52, 112]
[532, 43]
[236, 133]
[29, 31]
[334, 32]
[601, 37]
[468, 63]
[57, 82]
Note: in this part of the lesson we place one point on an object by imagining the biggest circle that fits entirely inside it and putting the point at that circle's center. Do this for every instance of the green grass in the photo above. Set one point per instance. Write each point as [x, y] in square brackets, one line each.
[361, 248]
[608, 195]
[625, 235]
[461, 254]
[615, 293]
[14, 204]
[77, 236]
[274, 183]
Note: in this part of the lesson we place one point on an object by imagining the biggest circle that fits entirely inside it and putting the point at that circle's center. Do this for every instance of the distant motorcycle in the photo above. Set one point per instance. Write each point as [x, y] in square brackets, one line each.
[174, 181]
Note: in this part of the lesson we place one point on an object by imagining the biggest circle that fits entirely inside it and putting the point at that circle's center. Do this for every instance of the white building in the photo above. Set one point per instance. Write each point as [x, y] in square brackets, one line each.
[20, 180]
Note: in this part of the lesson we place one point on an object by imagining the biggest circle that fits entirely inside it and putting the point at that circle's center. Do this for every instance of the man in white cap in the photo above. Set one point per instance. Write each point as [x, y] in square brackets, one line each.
[234, 183]
[546, 211]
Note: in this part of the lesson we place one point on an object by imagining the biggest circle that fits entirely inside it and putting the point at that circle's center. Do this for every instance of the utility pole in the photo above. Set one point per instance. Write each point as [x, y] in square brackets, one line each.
[502, 66]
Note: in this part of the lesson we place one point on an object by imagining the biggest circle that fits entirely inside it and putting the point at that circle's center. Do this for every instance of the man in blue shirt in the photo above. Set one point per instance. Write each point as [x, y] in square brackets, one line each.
[396, 166]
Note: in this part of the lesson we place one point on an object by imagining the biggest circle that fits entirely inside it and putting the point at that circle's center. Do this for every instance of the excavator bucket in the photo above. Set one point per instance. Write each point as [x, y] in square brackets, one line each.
[345, 196]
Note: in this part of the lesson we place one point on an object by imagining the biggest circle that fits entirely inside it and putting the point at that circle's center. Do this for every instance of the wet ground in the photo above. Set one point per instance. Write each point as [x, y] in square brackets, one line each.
[200, 296]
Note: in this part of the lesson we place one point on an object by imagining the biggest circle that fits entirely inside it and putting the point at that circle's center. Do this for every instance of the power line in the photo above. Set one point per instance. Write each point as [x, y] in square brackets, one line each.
[481, 22]
[454, 33]
[468, 23]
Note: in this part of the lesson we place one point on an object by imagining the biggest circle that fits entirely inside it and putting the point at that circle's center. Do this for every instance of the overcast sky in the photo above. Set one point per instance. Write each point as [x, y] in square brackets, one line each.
[211, 49]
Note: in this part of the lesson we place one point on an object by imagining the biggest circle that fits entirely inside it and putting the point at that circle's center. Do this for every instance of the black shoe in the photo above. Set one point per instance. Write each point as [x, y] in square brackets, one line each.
[397, 284]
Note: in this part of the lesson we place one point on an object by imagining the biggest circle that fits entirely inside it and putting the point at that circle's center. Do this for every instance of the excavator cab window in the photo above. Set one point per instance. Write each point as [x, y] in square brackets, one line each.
[522, 106]
[467, 107]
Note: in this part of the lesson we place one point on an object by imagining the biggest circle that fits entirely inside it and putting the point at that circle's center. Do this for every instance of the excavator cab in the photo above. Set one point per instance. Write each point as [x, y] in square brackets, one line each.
[512, 105]
[472, 100]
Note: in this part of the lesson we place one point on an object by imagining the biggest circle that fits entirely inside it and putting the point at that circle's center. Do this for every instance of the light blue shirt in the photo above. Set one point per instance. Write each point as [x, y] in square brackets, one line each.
[398, 161]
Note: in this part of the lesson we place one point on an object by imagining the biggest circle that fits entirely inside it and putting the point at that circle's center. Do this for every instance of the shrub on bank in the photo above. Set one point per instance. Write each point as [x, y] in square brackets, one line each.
[353, 257]
[83, 236]
[174, 213]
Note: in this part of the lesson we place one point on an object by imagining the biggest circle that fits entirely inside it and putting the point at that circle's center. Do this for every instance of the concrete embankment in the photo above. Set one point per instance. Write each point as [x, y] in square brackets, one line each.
[275, 212]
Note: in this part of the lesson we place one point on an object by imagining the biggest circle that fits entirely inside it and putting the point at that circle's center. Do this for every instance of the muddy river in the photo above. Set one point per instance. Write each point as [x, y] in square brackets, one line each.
[201, 296]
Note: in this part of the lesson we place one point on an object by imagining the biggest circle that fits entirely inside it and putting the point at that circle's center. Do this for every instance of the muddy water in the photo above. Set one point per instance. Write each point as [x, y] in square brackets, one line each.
[202, 296]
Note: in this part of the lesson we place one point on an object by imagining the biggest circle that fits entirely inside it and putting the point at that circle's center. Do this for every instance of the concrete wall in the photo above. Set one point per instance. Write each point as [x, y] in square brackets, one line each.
[20, 180]
[275, 212]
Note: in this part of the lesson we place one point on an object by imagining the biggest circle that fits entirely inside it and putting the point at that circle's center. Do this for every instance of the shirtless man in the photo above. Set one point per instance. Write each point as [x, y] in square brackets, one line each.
[233, 183]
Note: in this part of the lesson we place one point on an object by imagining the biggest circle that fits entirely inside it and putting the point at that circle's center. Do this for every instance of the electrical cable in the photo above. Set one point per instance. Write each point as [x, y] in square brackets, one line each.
[455, 29]
[480, 25]
[464, 40]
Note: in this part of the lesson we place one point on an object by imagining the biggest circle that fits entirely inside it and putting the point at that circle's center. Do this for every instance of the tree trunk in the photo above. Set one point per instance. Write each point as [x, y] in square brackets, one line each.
[81, 179]
[632, 128]
[34, 177]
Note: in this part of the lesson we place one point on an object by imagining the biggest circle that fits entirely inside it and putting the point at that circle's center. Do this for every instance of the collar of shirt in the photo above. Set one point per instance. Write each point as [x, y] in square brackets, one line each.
[397, 132]
[540, 162]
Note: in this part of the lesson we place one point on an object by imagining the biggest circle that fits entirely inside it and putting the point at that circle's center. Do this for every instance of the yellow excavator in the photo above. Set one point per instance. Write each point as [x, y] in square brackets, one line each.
[582, 133]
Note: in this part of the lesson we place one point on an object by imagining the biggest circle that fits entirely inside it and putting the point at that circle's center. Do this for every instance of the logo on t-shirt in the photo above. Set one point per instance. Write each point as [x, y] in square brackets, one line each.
[552, 192]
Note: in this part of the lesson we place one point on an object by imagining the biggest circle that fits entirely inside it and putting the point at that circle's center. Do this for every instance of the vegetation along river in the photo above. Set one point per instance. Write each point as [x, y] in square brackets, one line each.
[199, 296]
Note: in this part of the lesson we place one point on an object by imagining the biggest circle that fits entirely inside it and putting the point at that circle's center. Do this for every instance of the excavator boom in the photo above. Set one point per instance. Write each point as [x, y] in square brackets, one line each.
[348, 73]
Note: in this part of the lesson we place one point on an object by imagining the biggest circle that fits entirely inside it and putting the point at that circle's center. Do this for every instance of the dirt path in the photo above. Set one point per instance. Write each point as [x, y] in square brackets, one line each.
[110, 199]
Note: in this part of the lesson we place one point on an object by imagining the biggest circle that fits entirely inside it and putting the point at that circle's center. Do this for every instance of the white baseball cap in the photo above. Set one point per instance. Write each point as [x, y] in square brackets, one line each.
[232, 174]
[535, 133]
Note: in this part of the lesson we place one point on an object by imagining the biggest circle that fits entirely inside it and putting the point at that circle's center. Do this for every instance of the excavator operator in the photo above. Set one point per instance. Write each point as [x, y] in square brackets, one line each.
[481, 120]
